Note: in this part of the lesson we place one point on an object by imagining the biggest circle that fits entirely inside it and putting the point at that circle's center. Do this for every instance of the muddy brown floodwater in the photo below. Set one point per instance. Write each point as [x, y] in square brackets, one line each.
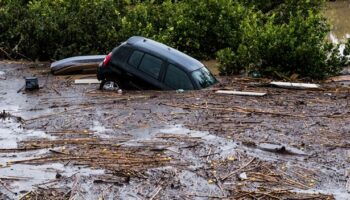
[68, 141]
[338, 14]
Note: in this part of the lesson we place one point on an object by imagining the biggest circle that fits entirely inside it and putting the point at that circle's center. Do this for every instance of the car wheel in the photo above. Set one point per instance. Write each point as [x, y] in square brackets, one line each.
[109, 85]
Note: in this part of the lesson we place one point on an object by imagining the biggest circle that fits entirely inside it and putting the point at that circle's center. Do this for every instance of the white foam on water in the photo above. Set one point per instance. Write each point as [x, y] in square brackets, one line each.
[31, 175]
[9, 108]
[99, 129]
[2, 75]
[11, 133]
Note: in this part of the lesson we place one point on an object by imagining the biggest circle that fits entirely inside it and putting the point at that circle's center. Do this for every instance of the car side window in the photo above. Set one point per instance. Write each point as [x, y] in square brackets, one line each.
[135, 58]
[177, 79]
[151, 65]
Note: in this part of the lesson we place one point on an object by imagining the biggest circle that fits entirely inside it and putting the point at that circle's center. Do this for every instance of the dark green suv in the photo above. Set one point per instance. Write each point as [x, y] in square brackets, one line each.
[146, 64]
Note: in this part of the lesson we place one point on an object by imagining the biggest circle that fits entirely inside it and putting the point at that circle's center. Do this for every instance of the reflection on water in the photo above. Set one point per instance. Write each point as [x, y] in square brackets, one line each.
[338, 13]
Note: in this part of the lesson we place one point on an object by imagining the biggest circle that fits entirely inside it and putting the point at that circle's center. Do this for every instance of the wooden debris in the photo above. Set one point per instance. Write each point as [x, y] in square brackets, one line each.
[15, 178]
[238, 170]
[26, 195]
[155, 192]
[233, 109]
[19, 149]
[208, 196]
[258, 94]
[339, 78]
[4, 115]
[5, 186]
[95, 152]
[55, 114]
[295, 85]
[58, 152]
[87, 81]
[266, 193]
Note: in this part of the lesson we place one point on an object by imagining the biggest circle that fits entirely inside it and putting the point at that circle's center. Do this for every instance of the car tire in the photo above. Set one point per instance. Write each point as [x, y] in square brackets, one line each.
[110, 85]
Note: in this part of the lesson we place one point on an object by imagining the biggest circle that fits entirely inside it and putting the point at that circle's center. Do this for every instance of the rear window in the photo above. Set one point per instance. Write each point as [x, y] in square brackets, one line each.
[177, 79]
[151, 65]
[203, 77]
[135, 58]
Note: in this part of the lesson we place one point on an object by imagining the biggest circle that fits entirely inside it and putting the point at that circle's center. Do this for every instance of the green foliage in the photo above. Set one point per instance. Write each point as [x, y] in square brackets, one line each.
[347, 47]
[284, 8]
[58, 28]
[65, 28]
[199, 28]
[11, 14]
[228, 59]
[262, 5]
[282, 37]
[285, 44]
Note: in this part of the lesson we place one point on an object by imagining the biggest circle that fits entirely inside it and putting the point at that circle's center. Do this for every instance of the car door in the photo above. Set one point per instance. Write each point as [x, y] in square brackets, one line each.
[176, 78]
[148, 68]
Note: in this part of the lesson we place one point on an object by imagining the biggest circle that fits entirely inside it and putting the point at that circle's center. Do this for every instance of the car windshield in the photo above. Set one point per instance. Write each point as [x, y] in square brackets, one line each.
[203, 78]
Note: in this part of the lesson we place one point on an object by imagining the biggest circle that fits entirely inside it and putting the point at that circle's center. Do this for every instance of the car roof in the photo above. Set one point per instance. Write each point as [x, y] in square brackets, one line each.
[170, 54]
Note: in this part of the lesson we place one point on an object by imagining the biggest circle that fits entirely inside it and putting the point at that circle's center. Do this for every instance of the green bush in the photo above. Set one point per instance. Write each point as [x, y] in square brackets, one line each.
[11, 14]
[58, 28]
[199, 28]
[294, 45]
[347, 47]
[281, 37]
[228, 59]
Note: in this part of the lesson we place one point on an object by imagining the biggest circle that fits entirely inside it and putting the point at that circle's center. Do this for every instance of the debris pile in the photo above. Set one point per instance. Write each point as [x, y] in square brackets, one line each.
[266, 194]
[287, 144]
[97, 153]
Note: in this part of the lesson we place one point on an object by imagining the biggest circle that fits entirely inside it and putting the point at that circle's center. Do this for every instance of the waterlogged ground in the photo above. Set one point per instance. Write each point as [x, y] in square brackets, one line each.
[69, 141]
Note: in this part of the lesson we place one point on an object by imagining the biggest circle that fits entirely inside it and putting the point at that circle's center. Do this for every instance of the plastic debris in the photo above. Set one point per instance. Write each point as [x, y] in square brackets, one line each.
[243, 176]
[259, 94]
